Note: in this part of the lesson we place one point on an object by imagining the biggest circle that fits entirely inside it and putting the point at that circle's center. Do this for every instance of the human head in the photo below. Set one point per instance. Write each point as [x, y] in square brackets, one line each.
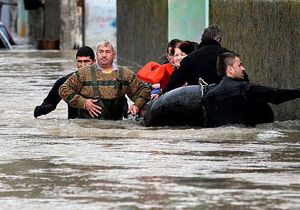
[181, 50]
[229, 64]
[212, 32]
[85, 56]
[170, 47]
[105, 54]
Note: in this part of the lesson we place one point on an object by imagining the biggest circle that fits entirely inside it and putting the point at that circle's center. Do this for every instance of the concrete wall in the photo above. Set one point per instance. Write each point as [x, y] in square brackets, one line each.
[100, 21]
[267, 36]
[22, 26]
[52, 19]
[70, 24]
[57, 20]
[35, 25]
[142, 31]
[44, 22]
[13, 10]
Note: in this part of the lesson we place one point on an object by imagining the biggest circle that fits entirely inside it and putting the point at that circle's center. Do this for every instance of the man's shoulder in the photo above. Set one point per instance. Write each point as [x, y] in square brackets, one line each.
[206, 51]
[125, 72]
[234, 83]
[87, 68]
[124, 69]
[203, 53]
[84, 71]
[213, 48]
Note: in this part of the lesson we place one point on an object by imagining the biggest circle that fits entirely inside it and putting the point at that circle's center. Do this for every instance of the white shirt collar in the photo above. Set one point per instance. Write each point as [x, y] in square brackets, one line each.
[114, 67]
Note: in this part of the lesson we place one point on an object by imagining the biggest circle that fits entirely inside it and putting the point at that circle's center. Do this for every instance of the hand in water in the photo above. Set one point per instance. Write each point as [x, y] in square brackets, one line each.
[92, 108]
[133, 110]
[154, 97]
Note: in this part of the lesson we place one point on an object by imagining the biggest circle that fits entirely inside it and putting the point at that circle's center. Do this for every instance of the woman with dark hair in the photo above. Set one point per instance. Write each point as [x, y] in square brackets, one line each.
[158, 74]
[181, 50]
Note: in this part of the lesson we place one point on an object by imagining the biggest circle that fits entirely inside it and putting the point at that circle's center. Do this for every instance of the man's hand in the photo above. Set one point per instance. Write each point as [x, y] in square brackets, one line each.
[133, 110]
[92, 108]
[154, 97]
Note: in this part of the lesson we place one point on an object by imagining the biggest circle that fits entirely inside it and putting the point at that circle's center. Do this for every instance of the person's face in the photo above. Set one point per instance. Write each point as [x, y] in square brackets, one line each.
[170, 56]
[82, 61]
[178, 56]
[105, 56]
[237, 69]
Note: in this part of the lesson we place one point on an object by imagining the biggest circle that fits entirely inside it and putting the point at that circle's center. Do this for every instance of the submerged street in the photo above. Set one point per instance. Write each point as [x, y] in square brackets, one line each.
[55, 163]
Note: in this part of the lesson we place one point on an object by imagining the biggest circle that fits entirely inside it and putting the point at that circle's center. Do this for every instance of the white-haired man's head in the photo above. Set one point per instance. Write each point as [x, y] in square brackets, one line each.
[105, 54]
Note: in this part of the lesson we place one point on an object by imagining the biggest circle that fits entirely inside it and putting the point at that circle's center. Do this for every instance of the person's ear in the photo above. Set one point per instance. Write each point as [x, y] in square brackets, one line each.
[229, 70]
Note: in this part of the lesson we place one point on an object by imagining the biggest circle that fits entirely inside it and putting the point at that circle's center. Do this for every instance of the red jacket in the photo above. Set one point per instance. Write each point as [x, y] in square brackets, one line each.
[154, 73]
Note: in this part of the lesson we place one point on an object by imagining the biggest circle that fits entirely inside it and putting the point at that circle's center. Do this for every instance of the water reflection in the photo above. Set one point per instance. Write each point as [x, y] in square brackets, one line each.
[55, 163]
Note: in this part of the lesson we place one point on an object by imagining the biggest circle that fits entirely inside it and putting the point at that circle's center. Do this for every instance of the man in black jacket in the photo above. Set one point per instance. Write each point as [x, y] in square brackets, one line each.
[234, 101]
[201, 62]
[84, 57]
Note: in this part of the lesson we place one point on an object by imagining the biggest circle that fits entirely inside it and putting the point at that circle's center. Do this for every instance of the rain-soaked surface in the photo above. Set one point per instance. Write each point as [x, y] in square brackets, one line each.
[54, 163]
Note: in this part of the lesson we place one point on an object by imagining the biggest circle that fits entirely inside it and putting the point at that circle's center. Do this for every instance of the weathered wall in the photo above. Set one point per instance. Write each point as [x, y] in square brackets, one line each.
[44, 22]
[57, 20]
[70, 24]
[142, 31]
[35, 25]
[52, 19]
[267, 36]
[100, 21]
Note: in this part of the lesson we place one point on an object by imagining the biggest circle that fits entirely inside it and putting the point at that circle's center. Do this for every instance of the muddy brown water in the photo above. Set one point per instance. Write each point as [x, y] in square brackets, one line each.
[54, 163]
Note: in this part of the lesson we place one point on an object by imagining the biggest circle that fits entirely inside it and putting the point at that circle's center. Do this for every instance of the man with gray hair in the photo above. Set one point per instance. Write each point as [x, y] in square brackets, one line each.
[99, 90]
[201, 62]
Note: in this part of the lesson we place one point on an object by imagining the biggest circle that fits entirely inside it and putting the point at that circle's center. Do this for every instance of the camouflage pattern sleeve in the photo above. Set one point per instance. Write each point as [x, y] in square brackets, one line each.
[69, 91]
[139, 92]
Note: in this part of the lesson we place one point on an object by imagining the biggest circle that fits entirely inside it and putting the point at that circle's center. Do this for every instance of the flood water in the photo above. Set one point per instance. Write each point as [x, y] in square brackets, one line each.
[54, 163]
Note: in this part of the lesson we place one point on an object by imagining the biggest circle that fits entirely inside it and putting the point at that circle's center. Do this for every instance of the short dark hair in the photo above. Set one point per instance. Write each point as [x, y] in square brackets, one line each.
[85, 51]
[224, 60]
[187, 47]
[212, 32]
[173, 43]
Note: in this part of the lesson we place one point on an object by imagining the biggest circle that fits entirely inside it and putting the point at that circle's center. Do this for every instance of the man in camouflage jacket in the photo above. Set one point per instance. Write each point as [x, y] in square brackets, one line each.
[112, 83]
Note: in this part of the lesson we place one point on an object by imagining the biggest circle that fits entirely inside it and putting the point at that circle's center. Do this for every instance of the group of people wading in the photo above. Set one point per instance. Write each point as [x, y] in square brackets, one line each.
[198, 85]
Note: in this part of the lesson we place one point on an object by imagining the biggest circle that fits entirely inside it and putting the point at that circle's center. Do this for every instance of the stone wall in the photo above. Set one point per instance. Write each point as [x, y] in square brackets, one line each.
[267, 36]
[142, 31]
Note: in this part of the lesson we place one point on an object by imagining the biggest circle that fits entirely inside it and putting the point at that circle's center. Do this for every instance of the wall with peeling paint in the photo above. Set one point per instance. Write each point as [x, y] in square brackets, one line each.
[267, 36]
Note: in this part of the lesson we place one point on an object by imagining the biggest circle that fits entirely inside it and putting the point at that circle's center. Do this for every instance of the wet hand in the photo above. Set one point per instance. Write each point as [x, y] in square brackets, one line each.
[92, 108]
[154, 97]
[133, 110]
[156, 85]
